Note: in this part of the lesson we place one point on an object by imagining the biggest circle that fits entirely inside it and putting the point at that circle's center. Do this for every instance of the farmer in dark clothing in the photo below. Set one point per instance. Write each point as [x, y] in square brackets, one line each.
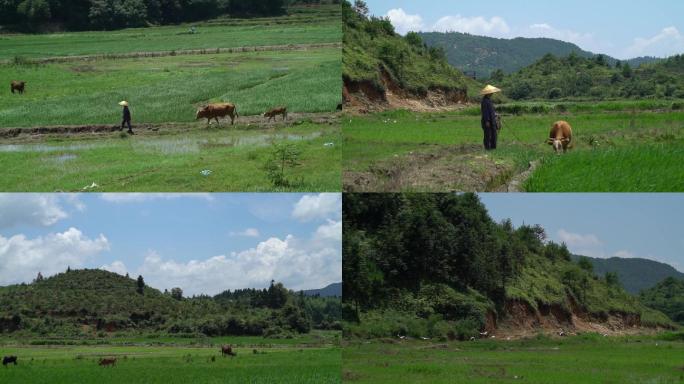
[489, 125]
[126, 117]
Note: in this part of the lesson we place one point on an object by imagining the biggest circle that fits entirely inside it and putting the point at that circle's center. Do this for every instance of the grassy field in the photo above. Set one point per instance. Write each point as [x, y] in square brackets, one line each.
[168, 360]
[614, 150]
[588, 358]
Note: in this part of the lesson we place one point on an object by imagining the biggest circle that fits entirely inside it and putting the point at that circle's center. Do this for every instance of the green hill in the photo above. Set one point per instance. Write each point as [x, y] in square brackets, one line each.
[635, 274]
[667, 297]
[81, 303]
[375, 59]
[574, 77]
[437, 265]
[483, 55]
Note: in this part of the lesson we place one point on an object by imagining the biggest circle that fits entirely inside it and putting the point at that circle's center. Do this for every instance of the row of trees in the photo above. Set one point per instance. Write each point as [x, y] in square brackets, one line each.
[113, 14]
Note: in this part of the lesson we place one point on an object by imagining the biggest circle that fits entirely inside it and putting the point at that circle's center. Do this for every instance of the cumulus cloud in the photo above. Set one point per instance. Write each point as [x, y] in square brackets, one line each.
[22, 258]
[404, 22]
[321, 206]
[123, 198]
[248, 232]
[624, 254]
[578, 240]
[116, 267]
[477, 25]
[30, 209]
[667, 42]
[330, 231]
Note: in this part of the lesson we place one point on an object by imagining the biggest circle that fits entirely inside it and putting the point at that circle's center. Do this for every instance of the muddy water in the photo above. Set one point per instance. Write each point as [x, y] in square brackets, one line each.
[165, 146]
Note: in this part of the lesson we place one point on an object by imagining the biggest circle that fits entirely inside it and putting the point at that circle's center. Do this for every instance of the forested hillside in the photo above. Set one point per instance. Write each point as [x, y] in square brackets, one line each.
[635, 274]
[483, 55]
[575, 77]
[668, 297]
[437, 264]
[86, 302]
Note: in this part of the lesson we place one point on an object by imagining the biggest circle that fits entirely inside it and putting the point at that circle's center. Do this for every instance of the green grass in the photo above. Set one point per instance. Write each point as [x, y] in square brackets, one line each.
[219, 33]
[175, 363]
[173, 162]
[169, 89]
[631, 151]
[583, 359]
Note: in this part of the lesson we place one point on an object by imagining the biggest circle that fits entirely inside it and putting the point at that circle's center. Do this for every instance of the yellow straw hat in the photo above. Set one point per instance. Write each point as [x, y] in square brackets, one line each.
[489, 89]
[123, 103]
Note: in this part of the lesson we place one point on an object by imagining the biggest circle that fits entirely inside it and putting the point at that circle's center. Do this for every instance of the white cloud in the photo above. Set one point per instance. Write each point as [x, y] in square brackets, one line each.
[624, 254]
[578, 240]
[321, 206]
[586, 41]
[478, 25]
[404, 22]
[22, 258]
[666, 43]
[30, 209]
[248, 232]
[123, 198]
[330, 231]
[116, 267]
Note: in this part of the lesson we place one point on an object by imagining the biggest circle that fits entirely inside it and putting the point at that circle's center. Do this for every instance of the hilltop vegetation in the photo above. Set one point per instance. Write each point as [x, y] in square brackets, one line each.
[83, 303]
[575, 77]
[667, 297]
[635, 274]
[483, 55]
[437, 265]
[376, 57]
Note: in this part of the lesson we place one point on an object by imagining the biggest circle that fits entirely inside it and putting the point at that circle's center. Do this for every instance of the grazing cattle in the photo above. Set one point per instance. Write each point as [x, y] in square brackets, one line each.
[227, 350]
[9, 359]
[339, 106]
[275, 112]
[214, 111]
[106, 362]
[560, 136]
[17, 86]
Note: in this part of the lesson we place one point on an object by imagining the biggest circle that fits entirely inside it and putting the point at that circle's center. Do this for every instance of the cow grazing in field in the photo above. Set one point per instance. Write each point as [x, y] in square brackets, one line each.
[106, 362]
[17, 86]
[275, 112]
[560, 136]
[8, 360]
[227, 350]
[339, 106]
[214, 111]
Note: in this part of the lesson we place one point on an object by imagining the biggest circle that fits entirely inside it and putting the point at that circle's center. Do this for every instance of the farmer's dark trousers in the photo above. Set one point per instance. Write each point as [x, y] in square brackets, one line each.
[490, 137]
[130, 129]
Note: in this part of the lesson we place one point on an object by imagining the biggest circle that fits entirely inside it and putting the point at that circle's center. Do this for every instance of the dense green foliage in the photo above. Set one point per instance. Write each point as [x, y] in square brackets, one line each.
[485, 55]
[82, 303]
[374, 53]
[667, 297]
[443, 267]
[593, 78]
[35, 15]
[635, 274]
[588, 358]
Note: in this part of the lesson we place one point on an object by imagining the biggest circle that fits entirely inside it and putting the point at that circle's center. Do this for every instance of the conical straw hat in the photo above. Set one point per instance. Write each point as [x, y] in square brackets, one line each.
[123, 103]
[489, 89]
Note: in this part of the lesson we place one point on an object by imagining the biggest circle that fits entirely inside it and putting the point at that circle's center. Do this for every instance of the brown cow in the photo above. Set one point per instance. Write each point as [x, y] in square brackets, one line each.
[560, 136]
[17, 86]
[227, 350]
[216, 110]
[106, 362]
[276, 111]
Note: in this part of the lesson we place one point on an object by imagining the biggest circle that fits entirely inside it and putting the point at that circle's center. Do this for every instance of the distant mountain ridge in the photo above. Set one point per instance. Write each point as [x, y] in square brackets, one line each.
[331, 290]
[483, 55]
[635, 274]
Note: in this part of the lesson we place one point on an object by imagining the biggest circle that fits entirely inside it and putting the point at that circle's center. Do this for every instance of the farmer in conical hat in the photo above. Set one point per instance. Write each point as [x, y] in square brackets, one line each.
[126, 117]
[489, 116]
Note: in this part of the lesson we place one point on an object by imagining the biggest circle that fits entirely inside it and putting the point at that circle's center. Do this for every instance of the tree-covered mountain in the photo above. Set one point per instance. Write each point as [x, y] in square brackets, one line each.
[375, 60]
[331, 290]
[635, 274]
[433, 265]
[576, 77]
[668, 297]
[483, 55]
[86, 302]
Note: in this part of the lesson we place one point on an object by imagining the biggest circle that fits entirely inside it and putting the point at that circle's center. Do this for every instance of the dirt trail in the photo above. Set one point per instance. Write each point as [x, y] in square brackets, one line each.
[149, 129]
[203, 51]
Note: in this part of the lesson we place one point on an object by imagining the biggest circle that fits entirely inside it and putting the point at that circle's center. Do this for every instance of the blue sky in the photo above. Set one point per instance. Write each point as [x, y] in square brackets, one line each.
[602, 225]
[621, 29]
[204, 243]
